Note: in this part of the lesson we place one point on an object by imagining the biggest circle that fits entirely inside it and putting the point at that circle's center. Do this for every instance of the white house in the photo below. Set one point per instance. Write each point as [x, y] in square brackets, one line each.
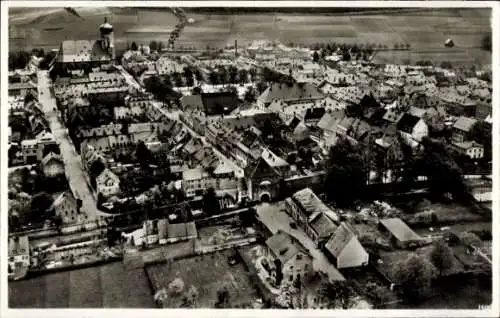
[345, 248]
[66, 206]
[412, 128]
[470, 148]
[108, 183]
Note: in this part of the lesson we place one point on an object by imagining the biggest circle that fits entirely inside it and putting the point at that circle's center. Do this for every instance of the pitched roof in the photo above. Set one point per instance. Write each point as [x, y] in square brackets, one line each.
[399, 229]
[82, 51]
[66, 195]
[284, 246]
[339, 240]
[464, 123]
[407, 122]
[260, 169]
[323, 225]
[295, 92]
[311, 205]
[272, 159]
[393, 115]
[106, 175]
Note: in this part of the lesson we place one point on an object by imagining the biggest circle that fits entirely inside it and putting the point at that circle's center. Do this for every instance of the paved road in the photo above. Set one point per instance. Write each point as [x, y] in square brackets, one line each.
[275, 219]
[174, 115]
[73, 166]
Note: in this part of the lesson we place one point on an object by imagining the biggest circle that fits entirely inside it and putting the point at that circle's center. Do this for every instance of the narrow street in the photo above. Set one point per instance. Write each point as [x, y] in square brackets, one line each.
[276, 219]
[174, 115]
[73, 167]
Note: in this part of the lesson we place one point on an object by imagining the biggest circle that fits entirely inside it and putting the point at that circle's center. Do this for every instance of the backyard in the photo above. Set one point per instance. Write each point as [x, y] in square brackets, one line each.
[193, 272]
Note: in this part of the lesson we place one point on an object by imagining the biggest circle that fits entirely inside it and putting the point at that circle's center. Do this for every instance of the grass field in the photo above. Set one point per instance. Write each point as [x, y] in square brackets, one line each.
[107, 286]
[424, 31]
[207, 273]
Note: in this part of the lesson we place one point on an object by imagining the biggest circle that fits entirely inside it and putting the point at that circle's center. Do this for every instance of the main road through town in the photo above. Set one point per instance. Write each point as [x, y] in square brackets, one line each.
[174, 115]
[74, 170]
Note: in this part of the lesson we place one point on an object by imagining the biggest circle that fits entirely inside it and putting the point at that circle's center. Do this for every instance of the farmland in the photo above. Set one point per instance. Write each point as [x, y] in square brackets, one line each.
[108, 286]
[193, 271]
[425, 31]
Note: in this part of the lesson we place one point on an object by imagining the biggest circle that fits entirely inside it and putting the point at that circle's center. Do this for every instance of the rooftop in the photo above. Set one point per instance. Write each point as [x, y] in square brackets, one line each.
[399, 230]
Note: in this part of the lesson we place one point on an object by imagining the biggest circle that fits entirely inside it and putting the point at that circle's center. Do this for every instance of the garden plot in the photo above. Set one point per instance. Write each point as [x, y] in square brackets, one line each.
[193, 272]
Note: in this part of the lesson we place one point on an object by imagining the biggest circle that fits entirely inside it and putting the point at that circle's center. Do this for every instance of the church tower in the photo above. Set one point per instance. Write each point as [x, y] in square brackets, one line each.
[107, 39]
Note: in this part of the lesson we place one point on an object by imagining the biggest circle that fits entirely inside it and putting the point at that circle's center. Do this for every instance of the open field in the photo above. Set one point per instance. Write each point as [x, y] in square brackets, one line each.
[107, 286]
[425, 31]
[208, 273]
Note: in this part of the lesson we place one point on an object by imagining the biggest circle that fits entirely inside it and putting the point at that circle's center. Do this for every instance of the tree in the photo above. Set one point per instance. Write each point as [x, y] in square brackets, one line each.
[346, 173]
[486, 42]
[340, 294]
[378, 294]
[191, 296]
[253, 74]
[188, 75]
[176, 286]
[213, 77]
[233, 74]
[153, 45]
[443, 173]
[210, 202]
[315, 57]
[415, 275]
[143, 154]
[177, 79]
[261, 87]
[40, 203]
[223, 298]
[469, 238]
[161, 297]
[134, 46]
[441, 256]
[197, 90]
[250, 95]
[243, 75]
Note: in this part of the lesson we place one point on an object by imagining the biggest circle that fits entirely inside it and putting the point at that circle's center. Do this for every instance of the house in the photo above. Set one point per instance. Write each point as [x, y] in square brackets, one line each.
[328, 123]
[29, 150]
[461, 128]
[276, 162]
[289, 94]
[66, 206]
[401, 234]
[261, 180]
[19, 255]
[107, 183]
[344, 248]
[196, 181]
[412, 127]
[312, 215]
[52, 165]
[470, 149]
[286, 252]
